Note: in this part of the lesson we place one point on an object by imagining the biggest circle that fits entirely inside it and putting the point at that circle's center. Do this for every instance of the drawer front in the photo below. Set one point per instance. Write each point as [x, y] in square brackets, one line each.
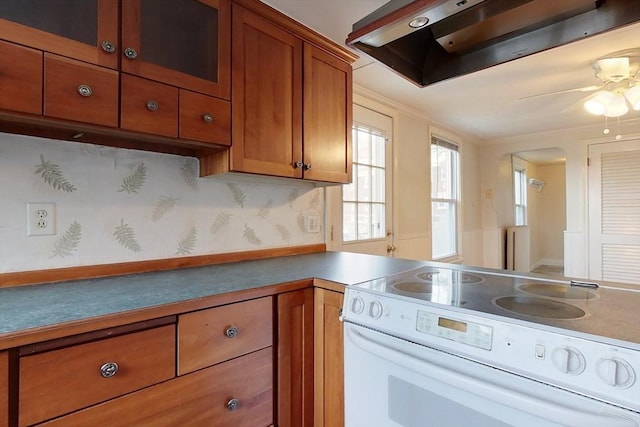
[203, 398]
[82, 92]
[20, 79]
[204, 118]
[64, 380]
[212, 336]
[148, 107]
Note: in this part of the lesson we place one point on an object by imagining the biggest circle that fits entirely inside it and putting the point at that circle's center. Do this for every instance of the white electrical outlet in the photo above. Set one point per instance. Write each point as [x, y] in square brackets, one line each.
[312, 223]
[41, 219]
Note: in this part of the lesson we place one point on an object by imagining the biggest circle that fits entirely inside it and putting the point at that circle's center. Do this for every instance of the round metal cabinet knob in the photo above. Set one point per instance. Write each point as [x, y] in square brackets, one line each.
[152, 106]
[233, 404]
[109, 369]
[298, 165]
[307, 166]
[85, 90]
[108, 47]
[231, 331]
[207, 118]
[130, 53]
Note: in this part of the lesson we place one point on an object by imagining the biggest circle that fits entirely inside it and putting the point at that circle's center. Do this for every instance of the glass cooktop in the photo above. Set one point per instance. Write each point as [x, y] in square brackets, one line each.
[601, 311]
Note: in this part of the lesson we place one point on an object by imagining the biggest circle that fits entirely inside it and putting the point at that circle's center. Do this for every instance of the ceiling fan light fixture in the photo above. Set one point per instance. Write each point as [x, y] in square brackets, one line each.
[616, 107]
[613, 69]
[597, 104]
[633, 96]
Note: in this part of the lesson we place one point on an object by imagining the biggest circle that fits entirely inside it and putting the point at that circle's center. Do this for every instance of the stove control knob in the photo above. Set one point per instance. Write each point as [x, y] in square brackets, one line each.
[568, 360]
[375, 310]
[615, 372]
[357, 305]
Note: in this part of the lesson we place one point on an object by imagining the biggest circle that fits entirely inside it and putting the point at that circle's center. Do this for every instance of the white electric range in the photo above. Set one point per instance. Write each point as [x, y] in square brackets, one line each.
[444, 346]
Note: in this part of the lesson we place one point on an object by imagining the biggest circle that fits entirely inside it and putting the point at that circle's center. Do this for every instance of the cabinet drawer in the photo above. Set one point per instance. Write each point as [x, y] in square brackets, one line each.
[204, 118]
[4, 389]
[149, 107]
[199, 399]
[64, 380]
[82, 92]
[212, 336]
[20, 79]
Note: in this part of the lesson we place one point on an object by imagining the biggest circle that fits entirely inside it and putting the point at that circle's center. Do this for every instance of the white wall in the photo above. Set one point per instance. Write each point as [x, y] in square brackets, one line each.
[116, 205]
[412, 187]
[497, 212]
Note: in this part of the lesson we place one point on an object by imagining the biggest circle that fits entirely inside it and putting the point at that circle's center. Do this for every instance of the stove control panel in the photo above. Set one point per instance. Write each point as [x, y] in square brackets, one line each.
[587, 366]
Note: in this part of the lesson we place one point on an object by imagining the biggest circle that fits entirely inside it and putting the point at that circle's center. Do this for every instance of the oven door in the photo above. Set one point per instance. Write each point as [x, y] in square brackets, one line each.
[392, 382]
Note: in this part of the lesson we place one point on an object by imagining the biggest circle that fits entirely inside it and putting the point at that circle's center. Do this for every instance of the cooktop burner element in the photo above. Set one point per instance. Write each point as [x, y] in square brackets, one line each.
[556, 291]
[463, 277]
[412, 288]
[540, 307]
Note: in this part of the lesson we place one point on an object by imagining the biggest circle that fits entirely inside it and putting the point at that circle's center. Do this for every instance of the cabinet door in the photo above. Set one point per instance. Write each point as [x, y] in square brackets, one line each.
[294, 377]
[202, 398]
[185, 43]
[20, 78]
[4, 389]
[327, 117]
[329, 360]
[81, 29]
[267, 97]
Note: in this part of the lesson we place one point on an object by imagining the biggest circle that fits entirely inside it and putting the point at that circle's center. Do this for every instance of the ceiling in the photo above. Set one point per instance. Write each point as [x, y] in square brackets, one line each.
[485, 104]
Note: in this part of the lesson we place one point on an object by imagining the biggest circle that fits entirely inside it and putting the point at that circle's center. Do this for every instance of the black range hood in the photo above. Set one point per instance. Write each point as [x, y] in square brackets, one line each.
[427, 41]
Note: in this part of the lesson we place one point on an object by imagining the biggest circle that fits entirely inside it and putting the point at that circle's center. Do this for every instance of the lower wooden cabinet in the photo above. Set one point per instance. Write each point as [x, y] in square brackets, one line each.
[237, 393]
[294, 370]
[329, 360]
[4, 389]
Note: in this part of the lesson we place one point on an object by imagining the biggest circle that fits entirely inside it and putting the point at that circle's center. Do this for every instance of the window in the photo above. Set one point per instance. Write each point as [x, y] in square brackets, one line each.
[445, 177]
[363, 201]
[519, 191]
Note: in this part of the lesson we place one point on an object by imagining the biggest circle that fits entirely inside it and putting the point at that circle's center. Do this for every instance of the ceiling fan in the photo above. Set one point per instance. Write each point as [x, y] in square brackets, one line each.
[619, 88]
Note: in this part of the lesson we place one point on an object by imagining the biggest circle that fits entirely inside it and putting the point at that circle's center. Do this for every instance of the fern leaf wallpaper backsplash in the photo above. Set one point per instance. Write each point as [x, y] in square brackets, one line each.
[116, 205]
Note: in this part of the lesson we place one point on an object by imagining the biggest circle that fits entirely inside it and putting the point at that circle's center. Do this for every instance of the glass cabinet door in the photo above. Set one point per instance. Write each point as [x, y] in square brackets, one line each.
[185, 43]
[81, 29]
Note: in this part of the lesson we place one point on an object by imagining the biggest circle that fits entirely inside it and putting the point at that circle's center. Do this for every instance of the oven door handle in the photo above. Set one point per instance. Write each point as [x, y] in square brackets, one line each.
[423, 362]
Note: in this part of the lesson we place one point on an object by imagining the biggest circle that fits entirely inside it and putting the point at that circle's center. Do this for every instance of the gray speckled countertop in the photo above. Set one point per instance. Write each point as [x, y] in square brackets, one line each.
[26, 307]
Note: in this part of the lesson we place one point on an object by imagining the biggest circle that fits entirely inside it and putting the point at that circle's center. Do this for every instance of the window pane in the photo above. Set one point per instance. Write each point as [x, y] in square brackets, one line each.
[363, 155]
[378, 221]
[444, 229]
[364, 183]
[378, 151]
[378, 185]
[364, 221]
[349, 190]
[349, 222]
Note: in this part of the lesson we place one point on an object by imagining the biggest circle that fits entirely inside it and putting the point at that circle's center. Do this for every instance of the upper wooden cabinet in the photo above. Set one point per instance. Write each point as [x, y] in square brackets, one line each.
[86, 30]
[291, 103]
[185, 44]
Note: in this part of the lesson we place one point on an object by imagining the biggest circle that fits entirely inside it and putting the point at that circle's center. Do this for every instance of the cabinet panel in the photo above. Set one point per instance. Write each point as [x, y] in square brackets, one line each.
[60, 381]
[204, 118]
[211, 336]
[20, 79]
[295, 359]
[186, 45]
[198, 399]
[4, 389]
[73, 28]
[327, 116]
[267, 97]
[138, 98]
[329, 360]
[82, 92]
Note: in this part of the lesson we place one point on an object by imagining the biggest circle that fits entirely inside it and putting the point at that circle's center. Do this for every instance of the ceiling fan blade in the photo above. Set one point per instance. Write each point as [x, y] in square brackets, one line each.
[579, 89]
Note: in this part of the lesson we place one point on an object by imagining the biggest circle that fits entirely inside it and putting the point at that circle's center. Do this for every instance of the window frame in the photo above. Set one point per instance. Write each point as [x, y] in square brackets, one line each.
[455, 201]
[520, 180]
